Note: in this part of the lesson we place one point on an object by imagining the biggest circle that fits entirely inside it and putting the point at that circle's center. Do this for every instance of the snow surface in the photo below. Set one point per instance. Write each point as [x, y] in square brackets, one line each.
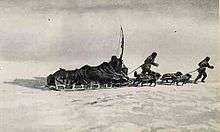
[25, 106]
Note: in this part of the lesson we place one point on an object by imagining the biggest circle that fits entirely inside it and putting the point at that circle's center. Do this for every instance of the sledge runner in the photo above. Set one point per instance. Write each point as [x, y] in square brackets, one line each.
[202, 69]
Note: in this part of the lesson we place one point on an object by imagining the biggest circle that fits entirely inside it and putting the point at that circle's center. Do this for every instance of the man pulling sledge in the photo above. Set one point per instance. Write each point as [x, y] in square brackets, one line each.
[147, 76]
[202, 69]
[146, 67]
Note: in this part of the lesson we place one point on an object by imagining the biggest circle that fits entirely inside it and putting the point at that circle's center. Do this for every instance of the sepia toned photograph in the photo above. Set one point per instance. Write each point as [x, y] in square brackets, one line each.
[109, 66]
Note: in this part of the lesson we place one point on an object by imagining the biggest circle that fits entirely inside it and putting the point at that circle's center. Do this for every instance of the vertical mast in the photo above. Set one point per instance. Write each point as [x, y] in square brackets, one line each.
[122, 43]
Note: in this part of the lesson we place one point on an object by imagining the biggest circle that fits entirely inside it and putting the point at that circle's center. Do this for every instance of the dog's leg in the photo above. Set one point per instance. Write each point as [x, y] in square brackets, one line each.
[142, 84]
[162, 81]
[135, 83]
[155, 83]
[171, 82]
[174, 81]
[183, 83]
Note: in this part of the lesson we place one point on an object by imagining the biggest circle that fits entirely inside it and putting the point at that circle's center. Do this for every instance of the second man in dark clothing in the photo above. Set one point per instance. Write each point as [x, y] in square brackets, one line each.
[202, 69]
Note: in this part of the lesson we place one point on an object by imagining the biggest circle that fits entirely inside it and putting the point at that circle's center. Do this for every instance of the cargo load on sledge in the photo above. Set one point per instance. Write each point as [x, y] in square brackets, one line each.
[112, 73]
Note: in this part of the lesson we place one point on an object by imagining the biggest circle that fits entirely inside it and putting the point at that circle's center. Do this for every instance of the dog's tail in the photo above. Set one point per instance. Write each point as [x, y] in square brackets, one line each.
[135, 74]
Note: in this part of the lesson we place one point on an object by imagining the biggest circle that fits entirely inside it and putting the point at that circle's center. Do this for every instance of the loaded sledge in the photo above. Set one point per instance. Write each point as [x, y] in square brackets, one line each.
[108, 74]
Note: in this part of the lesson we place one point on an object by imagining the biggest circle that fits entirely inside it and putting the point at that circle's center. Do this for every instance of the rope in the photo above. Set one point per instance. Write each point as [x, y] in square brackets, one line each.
[134, 70]
[193, 71]
[141, 65]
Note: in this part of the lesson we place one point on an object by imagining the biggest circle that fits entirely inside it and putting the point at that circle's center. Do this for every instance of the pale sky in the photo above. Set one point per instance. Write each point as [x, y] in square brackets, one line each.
[87, 31]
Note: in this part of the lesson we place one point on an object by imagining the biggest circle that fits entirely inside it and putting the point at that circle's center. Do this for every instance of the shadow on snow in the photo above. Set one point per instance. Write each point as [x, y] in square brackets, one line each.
[36, 83]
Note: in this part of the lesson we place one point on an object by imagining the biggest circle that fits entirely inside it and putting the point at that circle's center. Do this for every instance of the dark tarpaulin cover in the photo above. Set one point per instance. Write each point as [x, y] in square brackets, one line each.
[107, 72]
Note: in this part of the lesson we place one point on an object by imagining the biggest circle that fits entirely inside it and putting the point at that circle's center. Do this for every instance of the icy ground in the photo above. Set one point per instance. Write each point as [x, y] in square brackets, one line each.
[26, 107]
[128, 109]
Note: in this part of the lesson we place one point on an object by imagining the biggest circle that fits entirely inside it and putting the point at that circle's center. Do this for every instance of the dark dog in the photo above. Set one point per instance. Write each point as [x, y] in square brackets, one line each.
[149, 79]
[184, 79]
[170, 77]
